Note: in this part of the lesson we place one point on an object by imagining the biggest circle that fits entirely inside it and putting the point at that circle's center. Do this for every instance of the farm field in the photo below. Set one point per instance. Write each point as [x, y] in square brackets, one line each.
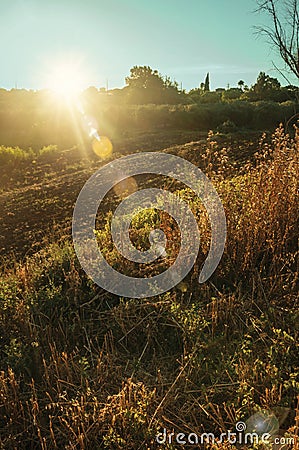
[149, 225]
[82, 368]
[41, 192]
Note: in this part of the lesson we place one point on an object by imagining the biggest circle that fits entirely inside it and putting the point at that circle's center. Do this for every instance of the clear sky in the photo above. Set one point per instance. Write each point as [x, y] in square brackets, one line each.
[183, 39]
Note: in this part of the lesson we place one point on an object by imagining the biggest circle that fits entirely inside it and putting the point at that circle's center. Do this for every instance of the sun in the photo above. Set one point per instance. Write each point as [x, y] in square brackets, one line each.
[66, 81]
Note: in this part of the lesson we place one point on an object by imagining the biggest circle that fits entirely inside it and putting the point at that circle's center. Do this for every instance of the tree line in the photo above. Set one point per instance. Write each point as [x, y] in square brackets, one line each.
[145, 85]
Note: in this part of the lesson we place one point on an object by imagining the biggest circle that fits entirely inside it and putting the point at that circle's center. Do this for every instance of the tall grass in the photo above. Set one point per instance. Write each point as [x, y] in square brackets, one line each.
[83, 369]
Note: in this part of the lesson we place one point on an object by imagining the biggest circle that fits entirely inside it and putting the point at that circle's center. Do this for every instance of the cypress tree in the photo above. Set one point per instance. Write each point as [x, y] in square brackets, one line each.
[207, 83]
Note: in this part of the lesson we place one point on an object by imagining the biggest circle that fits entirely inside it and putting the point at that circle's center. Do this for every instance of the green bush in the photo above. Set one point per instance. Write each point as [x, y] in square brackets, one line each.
[10, 157]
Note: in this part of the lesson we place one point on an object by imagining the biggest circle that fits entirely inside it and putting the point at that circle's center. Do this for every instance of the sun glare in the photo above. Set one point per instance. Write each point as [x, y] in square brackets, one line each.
[66, 81]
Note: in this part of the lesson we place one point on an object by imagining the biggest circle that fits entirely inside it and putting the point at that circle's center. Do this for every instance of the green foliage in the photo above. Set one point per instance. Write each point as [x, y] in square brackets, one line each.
[209, 97]
[227, 127]
[144, 77]
[47, 150]
[231, 94]
[207, 83]
[267, 88]
[11, 156]
[28, 120]
[146, 85]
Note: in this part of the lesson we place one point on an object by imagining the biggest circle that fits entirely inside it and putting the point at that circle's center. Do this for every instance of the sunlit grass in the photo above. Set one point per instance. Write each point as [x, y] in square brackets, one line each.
[82, 368]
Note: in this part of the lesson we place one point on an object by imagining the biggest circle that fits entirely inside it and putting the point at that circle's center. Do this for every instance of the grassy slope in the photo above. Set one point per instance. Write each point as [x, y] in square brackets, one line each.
[85, 369]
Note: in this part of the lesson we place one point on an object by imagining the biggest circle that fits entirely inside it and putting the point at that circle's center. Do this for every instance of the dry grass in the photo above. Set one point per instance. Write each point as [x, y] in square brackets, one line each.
[84, 369]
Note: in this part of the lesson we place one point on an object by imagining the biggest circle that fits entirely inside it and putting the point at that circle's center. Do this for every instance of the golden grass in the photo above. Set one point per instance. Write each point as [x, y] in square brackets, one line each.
[83, 369]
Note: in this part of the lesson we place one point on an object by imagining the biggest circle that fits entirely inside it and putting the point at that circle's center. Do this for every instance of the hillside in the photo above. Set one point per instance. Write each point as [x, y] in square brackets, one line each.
[85, 369]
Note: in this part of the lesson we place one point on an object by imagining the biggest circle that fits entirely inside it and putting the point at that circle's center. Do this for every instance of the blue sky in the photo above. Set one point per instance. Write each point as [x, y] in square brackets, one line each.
[182, 39]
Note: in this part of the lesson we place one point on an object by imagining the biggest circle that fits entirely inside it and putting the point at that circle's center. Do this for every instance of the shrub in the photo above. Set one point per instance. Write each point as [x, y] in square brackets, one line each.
[227, 127]
[10, 157]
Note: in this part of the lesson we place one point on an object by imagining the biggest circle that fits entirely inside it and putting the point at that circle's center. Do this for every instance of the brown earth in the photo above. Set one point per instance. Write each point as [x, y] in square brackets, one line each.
[38, 203]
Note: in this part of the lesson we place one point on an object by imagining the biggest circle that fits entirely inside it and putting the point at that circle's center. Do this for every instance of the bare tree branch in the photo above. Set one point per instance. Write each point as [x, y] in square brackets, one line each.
[284, 32]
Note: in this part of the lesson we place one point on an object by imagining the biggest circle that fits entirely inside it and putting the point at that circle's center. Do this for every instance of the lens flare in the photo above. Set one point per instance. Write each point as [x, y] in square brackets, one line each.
[102, 146]
[182, 286]
[125, 187]
[66, 80]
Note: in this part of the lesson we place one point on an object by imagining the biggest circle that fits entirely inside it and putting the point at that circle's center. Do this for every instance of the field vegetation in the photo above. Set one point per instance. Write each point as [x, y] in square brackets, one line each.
[82, 368]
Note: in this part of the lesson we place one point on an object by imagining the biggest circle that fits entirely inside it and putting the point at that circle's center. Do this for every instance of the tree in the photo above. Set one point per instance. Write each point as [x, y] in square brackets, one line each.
[241, 84]
[265, 88]
[202, 87]
[284, 31]
[231, 94]
[172, 93]
[146, 85]
[265, 84]
[144, 77]
[207, 83]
